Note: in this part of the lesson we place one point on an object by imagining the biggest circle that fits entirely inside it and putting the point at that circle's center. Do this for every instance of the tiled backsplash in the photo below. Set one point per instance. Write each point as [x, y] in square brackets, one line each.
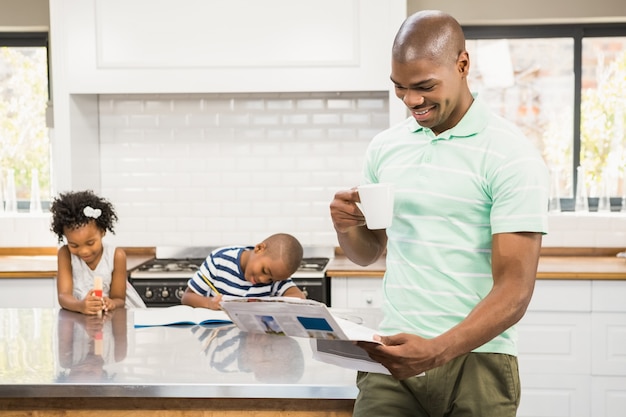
[211, 169]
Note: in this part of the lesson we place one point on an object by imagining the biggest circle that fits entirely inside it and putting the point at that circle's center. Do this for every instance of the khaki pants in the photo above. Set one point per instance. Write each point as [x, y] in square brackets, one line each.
[472, 385]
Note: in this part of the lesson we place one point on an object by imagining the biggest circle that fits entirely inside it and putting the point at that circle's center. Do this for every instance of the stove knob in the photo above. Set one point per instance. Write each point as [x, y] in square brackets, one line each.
[179, 293]
[165, 293]
[148, 293]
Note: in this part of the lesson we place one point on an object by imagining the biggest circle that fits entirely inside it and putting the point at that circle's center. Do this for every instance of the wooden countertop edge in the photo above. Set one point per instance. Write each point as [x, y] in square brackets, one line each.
[133, 260]
[52, 251]
[596, 276]
[138, 255]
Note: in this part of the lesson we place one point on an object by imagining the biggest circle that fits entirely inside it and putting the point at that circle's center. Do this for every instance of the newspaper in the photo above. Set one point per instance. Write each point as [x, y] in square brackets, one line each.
[292, 317]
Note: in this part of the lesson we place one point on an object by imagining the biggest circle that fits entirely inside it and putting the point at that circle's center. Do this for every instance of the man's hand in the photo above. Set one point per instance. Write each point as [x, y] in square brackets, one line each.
[344, 213]
[404, 355]
[361, 245]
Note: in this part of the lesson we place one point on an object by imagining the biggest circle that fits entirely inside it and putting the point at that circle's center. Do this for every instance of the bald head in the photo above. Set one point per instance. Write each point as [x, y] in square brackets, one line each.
[429, 34]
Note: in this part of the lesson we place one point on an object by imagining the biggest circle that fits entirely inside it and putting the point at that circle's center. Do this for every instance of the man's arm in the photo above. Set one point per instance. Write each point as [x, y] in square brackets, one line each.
[514, 264]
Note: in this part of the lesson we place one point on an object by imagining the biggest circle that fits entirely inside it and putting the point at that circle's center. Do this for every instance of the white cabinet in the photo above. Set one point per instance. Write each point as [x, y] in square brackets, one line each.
[609, 396]
[143, 46]
[28, 292]
[555, 395]
[572, 343]
[572, 349]
[608, 338]
[362, 295]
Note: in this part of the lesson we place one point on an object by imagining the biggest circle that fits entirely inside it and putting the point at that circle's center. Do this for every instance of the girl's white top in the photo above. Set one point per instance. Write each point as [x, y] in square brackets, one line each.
[83, 276]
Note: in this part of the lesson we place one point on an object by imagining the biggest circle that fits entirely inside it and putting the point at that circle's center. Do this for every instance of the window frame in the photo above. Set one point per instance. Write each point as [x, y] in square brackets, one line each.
[576, 31]
[30, 39]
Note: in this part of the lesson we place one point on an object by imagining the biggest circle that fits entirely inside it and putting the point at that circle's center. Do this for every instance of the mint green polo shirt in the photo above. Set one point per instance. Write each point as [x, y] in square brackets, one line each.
[453, 191]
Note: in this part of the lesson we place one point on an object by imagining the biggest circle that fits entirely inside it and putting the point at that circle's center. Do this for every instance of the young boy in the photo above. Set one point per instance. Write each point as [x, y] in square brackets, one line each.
[247, 271]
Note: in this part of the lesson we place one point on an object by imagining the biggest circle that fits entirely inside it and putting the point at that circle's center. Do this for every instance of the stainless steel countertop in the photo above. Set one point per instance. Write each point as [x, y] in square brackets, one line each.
[56, 353]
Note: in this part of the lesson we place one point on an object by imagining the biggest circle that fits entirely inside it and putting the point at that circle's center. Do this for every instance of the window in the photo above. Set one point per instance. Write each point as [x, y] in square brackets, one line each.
[564, 85]
[24, 142]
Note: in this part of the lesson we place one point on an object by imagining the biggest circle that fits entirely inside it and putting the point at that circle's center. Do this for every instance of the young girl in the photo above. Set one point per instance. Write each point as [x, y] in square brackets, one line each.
[82, 219]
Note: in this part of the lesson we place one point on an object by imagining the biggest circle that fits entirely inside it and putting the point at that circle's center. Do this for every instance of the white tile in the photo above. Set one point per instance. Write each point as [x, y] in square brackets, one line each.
[286, 133]
[611, 239]
[233, 120]
[295, 119]
[326, 119]
[191, 105]
[217, 104]
[188, 223]
[552, 239]
[250, 194]
[343, 103]
[357, 119]
[265, 120]
[160, 106]
[137, 121]
[371, 103]
[310, 104]
[280, 105]
[249, 104]
[172, 121]
[124, 106]
[342, 133]
[202, 120]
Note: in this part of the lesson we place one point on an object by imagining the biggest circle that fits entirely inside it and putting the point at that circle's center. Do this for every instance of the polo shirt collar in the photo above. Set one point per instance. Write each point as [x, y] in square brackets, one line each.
[473, 122]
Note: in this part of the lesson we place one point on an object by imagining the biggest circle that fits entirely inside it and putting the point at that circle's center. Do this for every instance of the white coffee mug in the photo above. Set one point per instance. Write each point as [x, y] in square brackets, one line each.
[376, 204]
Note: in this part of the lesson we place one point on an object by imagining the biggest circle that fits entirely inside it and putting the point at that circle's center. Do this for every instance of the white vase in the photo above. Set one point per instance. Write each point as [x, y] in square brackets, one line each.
[11, 195]
[35, 198]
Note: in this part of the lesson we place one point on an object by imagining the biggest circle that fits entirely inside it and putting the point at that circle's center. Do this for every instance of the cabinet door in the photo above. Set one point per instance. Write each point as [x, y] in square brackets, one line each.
[146, 46]
[356, 292]
[608, 338]
[609, 296]
[608, 396]
[555, 343]
[28, 292]
[553, 395]
[561, 295]
[362, 296]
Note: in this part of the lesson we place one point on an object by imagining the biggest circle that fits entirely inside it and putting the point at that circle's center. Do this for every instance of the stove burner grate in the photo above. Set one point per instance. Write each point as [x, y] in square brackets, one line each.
[172, 265]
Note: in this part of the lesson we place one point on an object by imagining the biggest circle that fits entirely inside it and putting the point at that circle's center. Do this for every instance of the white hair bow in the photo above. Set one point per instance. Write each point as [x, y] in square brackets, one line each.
[92, 212]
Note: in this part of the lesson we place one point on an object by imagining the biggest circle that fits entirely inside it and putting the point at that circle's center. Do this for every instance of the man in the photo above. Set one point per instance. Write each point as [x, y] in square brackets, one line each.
[462, 251]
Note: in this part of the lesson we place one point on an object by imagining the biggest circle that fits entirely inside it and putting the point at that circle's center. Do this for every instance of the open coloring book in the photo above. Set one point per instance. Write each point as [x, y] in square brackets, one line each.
[181, 314]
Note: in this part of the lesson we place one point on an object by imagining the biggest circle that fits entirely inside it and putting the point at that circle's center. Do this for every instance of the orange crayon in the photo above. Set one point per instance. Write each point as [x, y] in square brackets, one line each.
[97, 290]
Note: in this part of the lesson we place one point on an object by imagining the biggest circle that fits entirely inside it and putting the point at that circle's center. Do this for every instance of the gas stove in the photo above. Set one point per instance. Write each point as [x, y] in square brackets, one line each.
[161, 282]
[168, 268]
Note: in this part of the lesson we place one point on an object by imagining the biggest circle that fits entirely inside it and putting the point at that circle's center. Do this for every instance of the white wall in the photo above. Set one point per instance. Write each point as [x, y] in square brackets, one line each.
[273, 160]
[210, 169]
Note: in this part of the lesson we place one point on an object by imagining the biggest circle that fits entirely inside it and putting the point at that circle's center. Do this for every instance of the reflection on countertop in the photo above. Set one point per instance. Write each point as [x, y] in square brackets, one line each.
[58, 353]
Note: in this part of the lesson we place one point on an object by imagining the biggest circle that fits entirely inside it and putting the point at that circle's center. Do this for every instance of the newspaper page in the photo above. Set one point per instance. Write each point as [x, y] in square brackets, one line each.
[346, 354]
[292, 317]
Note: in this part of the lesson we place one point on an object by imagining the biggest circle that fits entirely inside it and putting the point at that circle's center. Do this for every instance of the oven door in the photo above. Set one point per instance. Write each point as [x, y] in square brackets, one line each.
[315, 288]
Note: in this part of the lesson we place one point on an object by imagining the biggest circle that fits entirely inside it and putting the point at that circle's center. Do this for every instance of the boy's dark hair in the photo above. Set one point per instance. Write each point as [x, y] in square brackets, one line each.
[68, 210]
[287, 247]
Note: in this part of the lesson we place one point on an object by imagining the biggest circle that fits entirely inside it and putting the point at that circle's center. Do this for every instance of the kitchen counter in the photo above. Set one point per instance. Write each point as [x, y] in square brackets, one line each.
[550, 267]
[574, 263]
[42, 262]
[59, 360]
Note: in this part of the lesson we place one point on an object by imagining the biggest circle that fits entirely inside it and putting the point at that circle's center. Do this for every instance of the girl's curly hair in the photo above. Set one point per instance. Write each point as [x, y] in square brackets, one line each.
[68, 210]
